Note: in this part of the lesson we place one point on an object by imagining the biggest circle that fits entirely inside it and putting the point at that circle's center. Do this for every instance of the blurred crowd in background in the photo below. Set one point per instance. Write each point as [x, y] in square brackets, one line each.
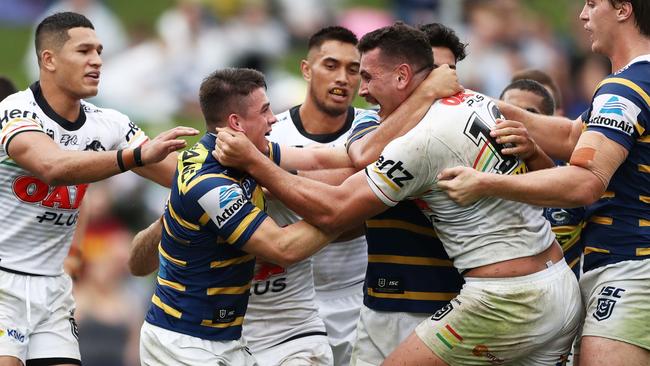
[152, 72]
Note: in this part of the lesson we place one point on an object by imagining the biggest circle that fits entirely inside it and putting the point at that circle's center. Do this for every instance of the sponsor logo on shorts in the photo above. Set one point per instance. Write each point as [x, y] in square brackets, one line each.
[16, 335]
[482, 350]
[449, 337]
[231, 201]
[606, 301]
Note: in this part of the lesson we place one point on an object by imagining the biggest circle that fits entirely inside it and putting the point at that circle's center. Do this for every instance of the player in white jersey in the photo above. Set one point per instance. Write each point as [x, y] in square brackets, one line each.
[513, 306]
[52, 145]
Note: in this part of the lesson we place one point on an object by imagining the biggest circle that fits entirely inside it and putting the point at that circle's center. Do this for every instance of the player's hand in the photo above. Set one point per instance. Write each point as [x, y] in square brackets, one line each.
[516, 135]
[167, 142]
[234, 149]
[511, 111]
[462, 184]
[442, 82]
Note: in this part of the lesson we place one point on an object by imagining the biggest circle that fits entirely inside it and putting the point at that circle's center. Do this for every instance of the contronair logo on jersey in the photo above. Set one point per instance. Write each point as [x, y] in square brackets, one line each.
[231, 200]
[614, 112]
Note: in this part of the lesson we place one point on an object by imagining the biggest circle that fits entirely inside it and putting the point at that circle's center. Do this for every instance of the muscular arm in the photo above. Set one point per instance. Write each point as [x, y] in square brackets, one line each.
[162, 172]
[442, 82]
[557, 136]
[314, 158]
[143, 259]
[580, 184]
[36, 152]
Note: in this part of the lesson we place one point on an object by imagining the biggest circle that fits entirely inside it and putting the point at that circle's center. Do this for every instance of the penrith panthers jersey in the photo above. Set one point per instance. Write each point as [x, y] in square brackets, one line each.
[38, 220]
[455, 131]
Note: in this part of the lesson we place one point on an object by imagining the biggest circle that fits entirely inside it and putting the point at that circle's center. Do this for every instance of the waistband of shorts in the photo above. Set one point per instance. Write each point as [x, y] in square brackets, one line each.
[5, 269]
[356, 288]
[556, 269]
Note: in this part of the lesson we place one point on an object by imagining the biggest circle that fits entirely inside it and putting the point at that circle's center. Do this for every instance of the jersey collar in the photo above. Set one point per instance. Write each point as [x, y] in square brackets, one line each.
[322, 138]
[45, 106]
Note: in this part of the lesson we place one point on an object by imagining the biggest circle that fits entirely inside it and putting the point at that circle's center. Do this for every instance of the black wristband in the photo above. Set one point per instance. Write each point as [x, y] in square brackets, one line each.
[137, 156]
[120, 162]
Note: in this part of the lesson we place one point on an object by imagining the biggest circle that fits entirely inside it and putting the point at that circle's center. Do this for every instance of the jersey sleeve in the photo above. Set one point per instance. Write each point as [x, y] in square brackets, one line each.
[615, 112]
[274, 152]
[365, 121]
[130, 135]
[234, 216]
[402, 170]
[15, 119]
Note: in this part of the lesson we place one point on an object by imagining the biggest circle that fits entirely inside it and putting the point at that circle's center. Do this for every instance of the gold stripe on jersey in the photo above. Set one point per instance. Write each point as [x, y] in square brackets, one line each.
[174, 285]
[166, 308]
[595, 250]
[190, 185]
[567, 231]
[169, 232]
[644, 199]
[181, 221]
[212, 291]
[643, 222]
[602, 220]
[608, 194]
[574, 262]
[401, 224]
[367, 129]
[644, 168]
[271, 151]
[230, 262]
[630, 84]
[640, 252]
[243, 225]
[177, 262]
[237, 322]
[204, 219]
[413, 261]
[385, 179]
[415, 295]
[644, 139]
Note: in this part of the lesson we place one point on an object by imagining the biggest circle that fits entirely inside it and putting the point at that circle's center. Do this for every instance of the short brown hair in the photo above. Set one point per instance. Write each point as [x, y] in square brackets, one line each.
[53, 30]
[542, 78]
[223, 91]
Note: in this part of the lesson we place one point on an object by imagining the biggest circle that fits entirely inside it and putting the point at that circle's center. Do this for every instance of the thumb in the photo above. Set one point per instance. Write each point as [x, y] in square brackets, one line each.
[450, 173]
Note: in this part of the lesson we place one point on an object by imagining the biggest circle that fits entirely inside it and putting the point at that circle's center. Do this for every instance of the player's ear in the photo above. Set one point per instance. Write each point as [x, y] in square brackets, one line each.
[234, 122]
[47, 59]
[305, 69]
[624, 11]
[403, 75]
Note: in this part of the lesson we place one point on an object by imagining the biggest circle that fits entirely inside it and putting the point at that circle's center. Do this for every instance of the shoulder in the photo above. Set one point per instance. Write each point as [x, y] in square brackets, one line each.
[107, 114]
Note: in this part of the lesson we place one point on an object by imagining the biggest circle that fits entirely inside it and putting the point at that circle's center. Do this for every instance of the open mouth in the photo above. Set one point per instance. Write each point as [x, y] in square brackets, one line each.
[93, 75]
[340, 92]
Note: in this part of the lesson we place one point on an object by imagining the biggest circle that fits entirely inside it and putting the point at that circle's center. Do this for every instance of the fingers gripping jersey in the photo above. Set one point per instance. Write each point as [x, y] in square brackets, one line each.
[38, 220]
[455, 131]
[618, 224]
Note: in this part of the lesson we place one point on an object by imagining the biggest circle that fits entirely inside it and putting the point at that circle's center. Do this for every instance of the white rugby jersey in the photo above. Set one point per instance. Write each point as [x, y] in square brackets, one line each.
[38, 221]
[455, 131]
[282, 304]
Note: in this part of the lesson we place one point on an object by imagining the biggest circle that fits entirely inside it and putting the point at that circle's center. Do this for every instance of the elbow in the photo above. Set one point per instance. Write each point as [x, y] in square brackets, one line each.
[588, 193]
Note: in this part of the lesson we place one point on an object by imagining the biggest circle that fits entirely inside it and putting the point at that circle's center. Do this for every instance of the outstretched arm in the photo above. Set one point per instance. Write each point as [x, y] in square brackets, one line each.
[330, 207]
[143, 259]
[37, 153]
[441, 82]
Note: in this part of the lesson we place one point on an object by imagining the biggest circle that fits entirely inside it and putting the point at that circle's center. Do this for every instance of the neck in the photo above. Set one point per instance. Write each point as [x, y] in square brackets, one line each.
[62, 103]
[317, 122]
[629, 46]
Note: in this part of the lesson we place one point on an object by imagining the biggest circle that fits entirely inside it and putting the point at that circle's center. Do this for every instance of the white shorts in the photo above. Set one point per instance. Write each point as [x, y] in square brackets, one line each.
[306, 351]
[527, 320]
[162, 347]
[380, 332]
[339, 310]
[617, 299]
[37, 318]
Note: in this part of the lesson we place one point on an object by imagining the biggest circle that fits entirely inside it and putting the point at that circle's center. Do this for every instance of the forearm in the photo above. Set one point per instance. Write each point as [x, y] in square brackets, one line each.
[314, 158]
[330, 176]
[162, 172]
[300, 240]
[143, 258]
[562, 187]
[539, 160]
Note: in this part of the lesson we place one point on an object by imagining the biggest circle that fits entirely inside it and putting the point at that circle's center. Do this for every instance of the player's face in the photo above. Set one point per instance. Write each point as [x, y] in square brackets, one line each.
[600, 18]
[442, 56]
[378, 82]
[258, 118]
[524, 99]
[334, 76]
[78, 63]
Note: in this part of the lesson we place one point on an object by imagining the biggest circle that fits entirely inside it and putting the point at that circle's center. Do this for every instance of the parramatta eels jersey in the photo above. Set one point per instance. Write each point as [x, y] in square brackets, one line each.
[38, 221]
[567, 224]
[456, 131]
[282, 305]
[408, 268]
[204, 278]
[618, 224]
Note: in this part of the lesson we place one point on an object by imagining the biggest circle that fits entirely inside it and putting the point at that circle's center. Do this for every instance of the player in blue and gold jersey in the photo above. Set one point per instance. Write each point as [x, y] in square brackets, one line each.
[213, 227]
[609, 173]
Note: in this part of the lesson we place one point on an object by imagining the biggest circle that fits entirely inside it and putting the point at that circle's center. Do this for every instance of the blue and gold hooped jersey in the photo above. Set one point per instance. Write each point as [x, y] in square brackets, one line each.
[204, 277]
[408, 268]
[618, 224]
[567, 224]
